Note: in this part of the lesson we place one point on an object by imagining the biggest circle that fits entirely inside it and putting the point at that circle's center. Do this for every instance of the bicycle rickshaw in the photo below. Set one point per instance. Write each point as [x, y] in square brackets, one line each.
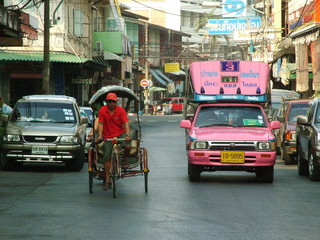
[137, 162]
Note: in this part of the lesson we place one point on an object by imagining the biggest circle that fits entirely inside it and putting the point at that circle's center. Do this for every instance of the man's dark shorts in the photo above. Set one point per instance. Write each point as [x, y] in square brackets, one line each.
[107, 148]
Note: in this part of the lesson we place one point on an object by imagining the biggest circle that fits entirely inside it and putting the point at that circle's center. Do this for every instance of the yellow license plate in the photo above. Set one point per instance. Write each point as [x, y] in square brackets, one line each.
[232, 157]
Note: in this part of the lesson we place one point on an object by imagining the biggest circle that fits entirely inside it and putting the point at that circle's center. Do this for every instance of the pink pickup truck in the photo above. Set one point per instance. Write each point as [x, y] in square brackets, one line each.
[229, 132]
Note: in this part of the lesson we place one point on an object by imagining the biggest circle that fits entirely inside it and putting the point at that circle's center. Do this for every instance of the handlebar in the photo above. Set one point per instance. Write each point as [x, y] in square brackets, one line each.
[115, 139]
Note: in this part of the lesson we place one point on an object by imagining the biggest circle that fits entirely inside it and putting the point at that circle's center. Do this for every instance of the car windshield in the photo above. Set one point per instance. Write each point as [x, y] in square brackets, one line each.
[298, 109]
[43, 112]
[230, 116]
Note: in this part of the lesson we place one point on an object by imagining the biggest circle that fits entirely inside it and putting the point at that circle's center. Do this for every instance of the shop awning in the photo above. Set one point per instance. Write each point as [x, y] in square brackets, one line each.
[163, 76]
[54, 57]
[157, 77]
[112, 56]
[178, 73]
[157, 89]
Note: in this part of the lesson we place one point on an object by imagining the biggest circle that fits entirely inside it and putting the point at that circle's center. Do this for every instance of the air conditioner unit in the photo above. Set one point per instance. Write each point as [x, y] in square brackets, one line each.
[99, 47]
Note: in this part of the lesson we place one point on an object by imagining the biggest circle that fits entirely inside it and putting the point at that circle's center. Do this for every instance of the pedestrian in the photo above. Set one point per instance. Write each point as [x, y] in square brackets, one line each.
[4, 108]
[113, 122]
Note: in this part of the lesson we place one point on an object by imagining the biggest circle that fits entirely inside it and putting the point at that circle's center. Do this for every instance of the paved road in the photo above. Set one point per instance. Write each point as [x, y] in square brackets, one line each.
[46, 202]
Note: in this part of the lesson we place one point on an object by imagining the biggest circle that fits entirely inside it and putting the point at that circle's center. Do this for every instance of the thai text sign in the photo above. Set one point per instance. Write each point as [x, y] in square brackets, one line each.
[171, 67]
[227, 26]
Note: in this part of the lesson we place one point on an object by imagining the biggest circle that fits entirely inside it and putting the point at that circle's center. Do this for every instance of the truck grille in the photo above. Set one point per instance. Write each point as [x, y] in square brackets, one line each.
[38, 139]
[232, 146]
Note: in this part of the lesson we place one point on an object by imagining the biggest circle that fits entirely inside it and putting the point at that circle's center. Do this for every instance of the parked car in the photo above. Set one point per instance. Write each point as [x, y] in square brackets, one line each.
[308, 142]
[176, 103]
[286, 138]
[44, 129]
[88, 113]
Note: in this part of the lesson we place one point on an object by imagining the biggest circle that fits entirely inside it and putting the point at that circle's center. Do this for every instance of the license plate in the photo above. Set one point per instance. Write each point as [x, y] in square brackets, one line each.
[232, 157]
[39, 150]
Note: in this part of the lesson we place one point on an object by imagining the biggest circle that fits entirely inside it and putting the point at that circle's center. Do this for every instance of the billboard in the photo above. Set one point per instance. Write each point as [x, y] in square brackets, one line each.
[234, 8]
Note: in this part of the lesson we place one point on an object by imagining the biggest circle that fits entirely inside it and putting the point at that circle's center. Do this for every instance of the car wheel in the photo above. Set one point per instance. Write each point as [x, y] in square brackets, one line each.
[194, 173]
[302, 164]
[314, 173]
[267, 174]
[285, 156]
[77, 164]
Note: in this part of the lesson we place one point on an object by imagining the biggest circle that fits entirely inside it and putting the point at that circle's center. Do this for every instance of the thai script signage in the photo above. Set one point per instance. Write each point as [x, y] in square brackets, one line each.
[227, 26]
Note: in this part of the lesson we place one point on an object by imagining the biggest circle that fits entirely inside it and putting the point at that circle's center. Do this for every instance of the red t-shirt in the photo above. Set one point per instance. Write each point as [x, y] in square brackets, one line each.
[113, 125]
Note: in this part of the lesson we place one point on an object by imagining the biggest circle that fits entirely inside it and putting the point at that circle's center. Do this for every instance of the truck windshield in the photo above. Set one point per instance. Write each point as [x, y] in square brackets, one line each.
[43, 112]
[230, 116]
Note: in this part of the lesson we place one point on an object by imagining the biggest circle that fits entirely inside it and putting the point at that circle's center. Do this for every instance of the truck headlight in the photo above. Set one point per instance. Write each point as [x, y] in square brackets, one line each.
[196, 145]
[11, 138]
[266, 146]
[68, 139]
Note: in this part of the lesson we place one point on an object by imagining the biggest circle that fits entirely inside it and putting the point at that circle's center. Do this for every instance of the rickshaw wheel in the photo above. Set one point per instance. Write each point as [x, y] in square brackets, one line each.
[114, 173]
[145, 169]
[90, 181]
[90, 170]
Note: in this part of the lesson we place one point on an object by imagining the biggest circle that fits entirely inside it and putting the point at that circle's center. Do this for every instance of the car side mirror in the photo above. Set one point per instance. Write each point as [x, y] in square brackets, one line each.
[302, 119]
[185, 124]
[84, 120]
[4, 118]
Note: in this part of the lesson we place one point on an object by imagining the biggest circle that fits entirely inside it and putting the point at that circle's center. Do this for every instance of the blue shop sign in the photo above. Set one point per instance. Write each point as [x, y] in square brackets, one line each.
[227, 26]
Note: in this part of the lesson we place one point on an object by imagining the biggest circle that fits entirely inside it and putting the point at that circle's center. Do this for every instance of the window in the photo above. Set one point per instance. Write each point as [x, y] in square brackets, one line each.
[228, 79]
[78, 22]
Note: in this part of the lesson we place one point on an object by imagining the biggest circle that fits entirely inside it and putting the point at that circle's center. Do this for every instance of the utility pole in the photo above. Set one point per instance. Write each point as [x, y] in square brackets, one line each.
[266, 30]
[46, 48]
[146, 66]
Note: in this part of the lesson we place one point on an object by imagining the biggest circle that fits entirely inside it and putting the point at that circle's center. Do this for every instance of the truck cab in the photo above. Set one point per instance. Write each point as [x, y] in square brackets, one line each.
[226, 126]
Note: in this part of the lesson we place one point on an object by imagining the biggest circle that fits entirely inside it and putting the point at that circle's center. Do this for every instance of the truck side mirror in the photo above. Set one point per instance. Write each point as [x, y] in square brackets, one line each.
[185, 124]
[274, 125]
[302, 119]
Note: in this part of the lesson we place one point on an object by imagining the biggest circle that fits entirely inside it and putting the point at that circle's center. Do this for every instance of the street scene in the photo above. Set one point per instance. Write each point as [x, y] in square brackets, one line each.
[48, 202]
[159, 119]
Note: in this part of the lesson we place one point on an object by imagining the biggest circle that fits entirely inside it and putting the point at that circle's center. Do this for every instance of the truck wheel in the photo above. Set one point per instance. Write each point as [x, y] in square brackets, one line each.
[194, 173]
[302, 165]
[267, 174]
[77, 164]
[314, 171]
[285, 156]
[6, 164]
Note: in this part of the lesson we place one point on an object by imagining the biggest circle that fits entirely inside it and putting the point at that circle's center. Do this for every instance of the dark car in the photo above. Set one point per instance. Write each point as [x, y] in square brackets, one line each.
[286, 138]
[308, 142]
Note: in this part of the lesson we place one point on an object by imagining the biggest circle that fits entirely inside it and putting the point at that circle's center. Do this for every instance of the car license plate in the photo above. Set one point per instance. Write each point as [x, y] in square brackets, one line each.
[39, 150]
[232, 157]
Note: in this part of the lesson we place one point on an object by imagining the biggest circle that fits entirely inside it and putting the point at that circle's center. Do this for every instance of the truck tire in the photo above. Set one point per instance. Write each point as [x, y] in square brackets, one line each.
[267, 174]
[6, 164]
[194, 173]
[287, 158]
[314, 171]
[77, 164]
[302, 164]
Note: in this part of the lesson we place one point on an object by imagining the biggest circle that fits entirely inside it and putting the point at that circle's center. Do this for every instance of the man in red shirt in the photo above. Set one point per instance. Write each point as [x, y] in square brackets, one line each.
[113, 122]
